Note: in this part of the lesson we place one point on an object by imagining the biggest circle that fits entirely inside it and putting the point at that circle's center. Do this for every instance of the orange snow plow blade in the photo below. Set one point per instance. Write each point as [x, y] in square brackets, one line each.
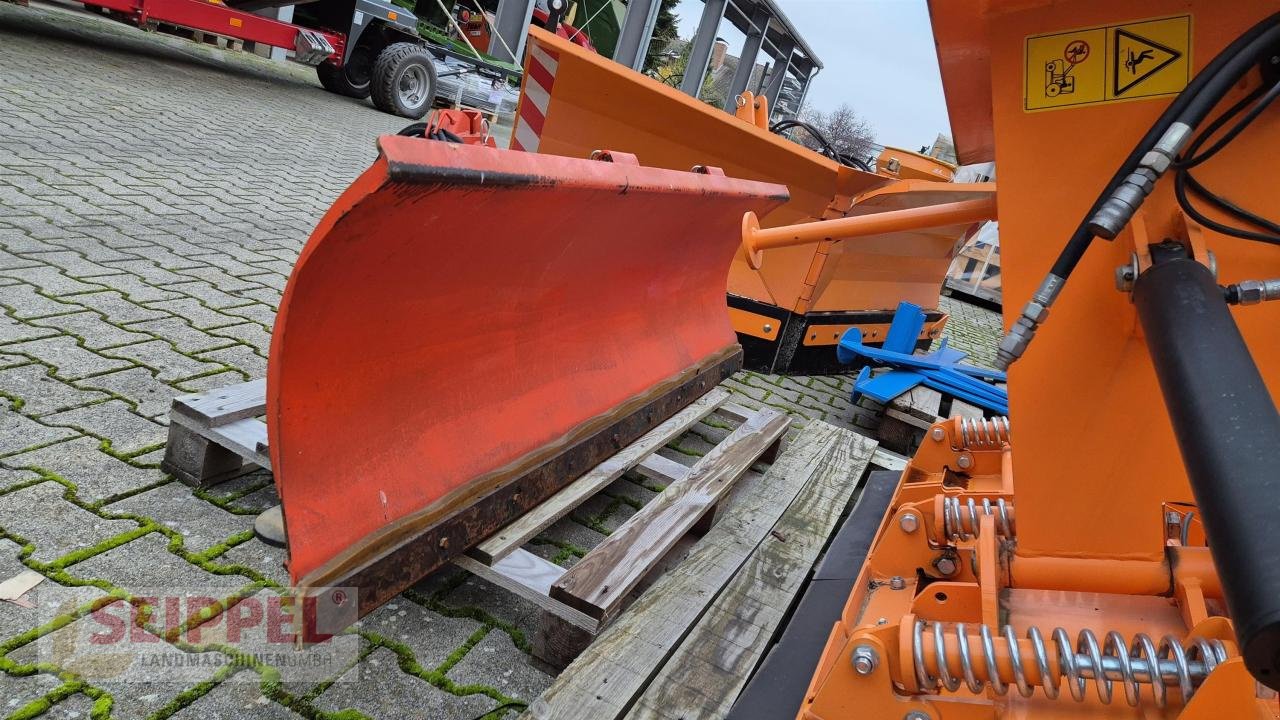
[469, 329]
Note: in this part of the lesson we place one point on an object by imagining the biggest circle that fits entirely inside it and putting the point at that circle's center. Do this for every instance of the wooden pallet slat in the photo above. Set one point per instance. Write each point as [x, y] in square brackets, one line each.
[736, 412]
[529, 576]
[244, 437]
[600, 581]
[224, 405]
[563, 502]
[659, 469]
[888, 460]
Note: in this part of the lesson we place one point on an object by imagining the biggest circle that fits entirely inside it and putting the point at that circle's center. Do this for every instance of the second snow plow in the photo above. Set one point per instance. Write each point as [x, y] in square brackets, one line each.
[789, 309]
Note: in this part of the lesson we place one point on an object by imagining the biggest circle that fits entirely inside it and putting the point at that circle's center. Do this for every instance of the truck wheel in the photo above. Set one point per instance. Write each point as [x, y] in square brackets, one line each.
[404, 80]
[352, 79]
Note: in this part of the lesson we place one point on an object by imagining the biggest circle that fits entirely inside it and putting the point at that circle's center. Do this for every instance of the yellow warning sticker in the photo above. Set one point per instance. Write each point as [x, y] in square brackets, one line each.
[1112, 63]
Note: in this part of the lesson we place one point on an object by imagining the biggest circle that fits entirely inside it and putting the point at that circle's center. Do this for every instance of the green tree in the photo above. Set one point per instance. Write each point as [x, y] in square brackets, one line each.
[664, 31]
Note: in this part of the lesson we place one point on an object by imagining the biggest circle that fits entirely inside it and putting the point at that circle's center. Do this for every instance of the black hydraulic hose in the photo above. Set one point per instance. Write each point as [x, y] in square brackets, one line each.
[1264, 98]
[1191, 106]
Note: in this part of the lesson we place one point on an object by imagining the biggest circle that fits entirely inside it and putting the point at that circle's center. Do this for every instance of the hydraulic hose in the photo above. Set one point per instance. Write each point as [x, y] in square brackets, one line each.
[1148, 160]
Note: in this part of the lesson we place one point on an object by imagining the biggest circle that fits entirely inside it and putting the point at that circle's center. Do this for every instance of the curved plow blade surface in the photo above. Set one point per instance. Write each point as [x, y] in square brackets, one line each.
[468, 329]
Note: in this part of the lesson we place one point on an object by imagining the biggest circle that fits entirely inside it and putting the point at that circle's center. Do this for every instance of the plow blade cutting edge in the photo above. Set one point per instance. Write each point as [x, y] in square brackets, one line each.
[450, 351]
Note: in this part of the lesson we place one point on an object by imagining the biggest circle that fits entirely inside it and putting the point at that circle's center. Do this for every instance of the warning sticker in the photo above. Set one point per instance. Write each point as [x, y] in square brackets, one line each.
[1105, 64]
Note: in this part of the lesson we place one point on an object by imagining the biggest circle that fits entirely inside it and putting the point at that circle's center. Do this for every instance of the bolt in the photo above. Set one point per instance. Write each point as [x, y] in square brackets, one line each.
[938, 434]
[865, 659]
[897, 583]
[916, 715]
[965, 461]
[768, 327]
[1124, 278]
[882, 621]
[946, 565]
[909, 523]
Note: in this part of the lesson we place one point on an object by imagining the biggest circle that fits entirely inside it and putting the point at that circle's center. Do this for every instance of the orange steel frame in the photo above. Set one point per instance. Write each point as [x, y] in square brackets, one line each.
[1093, 540]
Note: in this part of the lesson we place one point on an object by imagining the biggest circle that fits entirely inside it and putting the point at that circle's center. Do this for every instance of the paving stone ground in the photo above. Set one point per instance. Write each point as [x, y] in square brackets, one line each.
[154, 194]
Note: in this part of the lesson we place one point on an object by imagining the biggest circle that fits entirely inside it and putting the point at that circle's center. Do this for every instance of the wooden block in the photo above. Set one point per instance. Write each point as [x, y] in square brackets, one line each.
[557, 642]
[897, 434]
[562, 503]
[920, 403]
[224, 405]
[770, 455]
[907, 417]
[603, 682]
[714, 661]
[599, 582]
[960, 408]
[703, 525]
[197, 461]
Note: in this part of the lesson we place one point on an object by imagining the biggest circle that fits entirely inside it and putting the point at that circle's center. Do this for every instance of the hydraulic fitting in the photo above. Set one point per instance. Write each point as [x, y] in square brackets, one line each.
[1125, 200]
[1024, 328]
[1252, 292]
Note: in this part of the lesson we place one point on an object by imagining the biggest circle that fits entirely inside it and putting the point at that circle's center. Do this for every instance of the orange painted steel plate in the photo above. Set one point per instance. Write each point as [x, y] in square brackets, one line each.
[461, 309]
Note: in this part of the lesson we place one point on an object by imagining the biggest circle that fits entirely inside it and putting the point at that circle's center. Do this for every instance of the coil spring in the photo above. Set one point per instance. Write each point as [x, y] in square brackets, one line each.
[961, 519]
[983, 433]
[1105, 663]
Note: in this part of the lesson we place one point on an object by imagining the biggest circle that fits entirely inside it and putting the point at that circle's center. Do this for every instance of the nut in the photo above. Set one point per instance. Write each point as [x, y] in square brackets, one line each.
[865, 660]
[938, 434]
[1035, 312]
[946, 565]
[897, 583]
[1252, 292]
[909, 522]
[916, 715]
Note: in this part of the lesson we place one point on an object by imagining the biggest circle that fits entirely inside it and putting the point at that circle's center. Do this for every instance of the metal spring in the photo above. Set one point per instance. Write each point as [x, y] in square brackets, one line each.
[961, 519]
[983, 433]
[1105, 663]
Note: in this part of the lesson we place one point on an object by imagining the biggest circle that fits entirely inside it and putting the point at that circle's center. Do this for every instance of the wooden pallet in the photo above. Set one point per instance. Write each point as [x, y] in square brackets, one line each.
[217, 435]
[690, 643]
[578, 603]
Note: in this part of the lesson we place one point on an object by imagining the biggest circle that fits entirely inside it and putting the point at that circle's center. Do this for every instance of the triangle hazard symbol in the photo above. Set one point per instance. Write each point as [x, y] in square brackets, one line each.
[1137, 58]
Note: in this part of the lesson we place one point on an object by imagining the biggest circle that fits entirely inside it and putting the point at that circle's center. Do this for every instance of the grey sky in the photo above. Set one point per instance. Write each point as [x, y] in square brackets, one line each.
[878, 57]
